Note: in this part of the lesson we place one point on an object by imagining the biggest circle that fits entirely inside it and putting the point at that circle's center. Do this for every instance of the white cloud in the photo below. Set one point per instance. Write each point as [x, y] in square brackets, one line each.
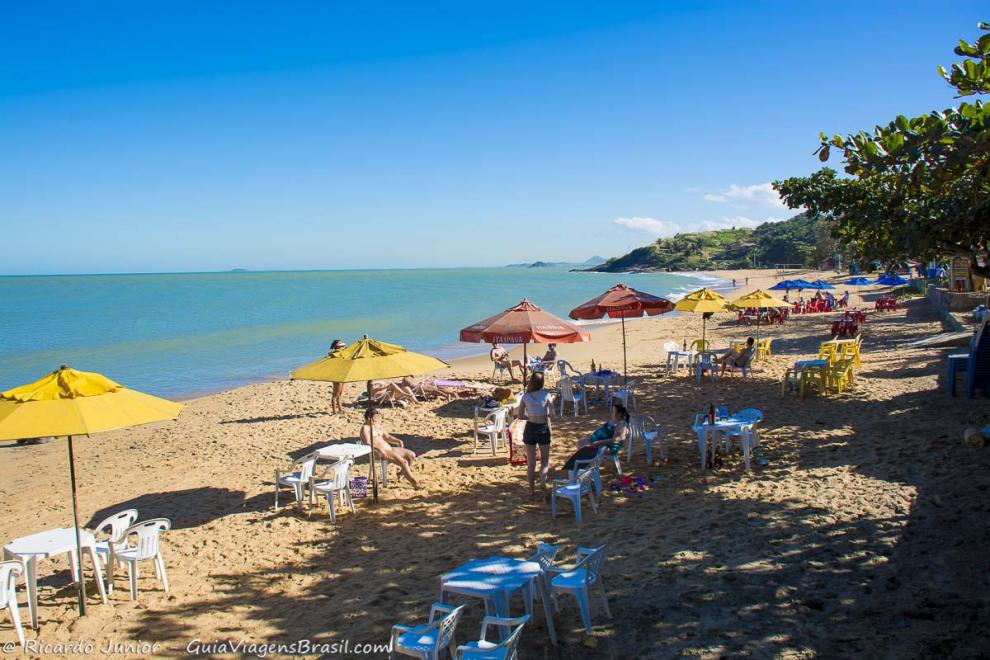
[758, 194]
[664, 228]
[648, 225]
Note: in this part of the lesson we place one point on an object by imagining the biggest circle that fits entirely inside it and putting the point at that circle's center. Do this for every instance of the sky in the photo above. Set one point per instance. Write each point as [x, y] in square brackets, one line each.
[195, 136]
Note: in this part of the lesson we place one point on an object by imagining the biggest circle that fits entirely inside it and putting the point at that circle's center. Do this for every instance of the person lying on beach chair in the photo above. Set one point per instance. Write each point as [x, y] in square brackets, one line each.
[387, 447]
[738, 359]
[612, 434]
[382, 392]
[425, 388]
[501, 358]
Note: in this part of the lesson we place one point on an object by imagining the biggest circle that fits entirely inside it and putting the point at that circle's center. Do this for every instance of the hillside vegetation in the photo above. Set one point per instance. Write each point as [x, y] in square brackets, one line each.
[801, 240]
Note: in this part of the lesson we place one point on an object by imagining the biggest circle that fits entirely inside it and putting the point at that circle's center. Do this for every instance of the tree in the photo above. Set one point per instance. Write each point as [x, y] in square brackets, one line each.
[920, 187]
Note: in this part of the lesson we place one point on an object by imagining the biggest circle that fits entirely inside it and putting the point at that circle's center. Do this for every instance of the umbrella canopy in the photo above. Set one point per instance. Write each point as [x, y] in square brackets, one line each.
[522, 324]
[803, 284]
[622, 302]
[784, 285]
[891, 279]
[702, 301]
[760, 299]
[69, 402]
[368, 359]
[858, 281]
[822, 284]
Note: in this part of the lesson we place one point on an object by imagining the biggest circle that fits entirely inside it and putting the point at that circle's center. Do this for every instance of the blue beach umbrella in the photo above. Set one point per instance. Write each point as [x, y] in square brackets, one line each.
[890, 279]
[858, 281]
[803, 284]
[822, 284]
[783, 285]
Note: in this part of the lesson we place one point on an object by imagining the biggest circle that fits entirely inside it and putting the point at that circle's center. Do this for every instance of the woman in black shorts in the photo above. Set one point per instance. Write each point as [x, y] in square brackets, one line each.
[535, 408]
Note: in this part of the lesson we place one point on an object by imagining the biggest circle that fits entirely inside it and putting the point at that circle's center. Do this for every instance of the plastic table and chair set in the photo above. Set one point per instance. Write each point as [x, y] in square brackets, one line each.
[495, 581]
[718, 429]
[120, 539]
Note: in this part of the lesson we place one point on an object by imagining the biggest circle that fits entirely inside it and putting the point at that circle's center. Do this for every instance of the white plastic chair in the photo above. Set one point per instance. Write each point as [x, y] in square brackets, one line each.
[426, 641]
[147, 546]
[706, 362]
[340, 486]
[114, 528]
[570, 395]
[645, 429]
[9, 572]
[754, 417]
[627, 395]
[544, 556]
[493, 427]
[482, 649]
[296, 479]
[595, 465]
[573, 489]
[579, 579]
[567, 371]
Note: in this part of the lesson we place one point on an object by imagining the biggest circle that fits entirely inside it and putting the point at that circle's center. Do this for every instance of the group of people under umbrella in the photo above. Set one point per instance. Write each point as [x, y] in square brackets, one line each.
[70, 403]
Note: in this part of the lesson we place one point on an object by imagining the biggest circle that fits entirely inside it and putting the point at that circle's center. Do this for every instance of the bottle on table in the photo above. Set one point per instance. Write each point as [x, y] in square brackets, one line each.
[684, 348]
[593, 369]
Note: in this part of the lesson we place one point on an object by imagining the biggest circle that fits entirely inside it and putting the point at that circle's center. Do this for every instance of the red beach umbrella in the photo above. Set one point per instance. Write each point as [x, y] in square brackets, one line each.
[522, 324]
[622, 302]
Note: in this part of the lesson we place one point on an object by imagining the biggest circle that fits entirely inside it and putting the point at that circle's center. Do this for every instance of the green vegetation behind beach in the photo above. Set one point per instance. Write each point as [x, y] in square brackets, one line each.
[801, 240]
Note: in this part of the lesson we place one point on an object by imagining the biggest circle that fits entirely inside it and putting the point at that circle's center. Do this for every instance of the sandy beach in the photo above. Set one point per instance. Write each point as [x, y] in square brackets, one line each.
[865, 536]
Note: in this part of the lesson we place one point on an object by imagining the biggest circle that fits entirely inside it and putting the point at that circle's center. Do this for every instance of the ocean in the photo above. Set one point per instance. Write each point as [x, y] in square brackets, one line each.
[186, 334]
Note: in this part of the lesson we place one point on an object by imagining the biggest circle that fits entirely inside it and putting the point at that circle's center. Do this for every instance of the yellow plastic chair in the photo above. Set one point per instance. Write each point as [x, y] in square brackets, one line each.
[813, 377]
[790, 382]
[828, 350]
[839, 377]
[763, 349]
[700, 345]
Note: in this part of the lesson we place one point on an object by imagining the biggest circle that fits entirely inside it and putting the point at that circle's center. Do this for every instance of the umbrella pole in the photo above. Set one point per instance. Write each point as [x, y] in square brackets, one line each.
[75, 526]
[625, 368]
[525, 367]
[374, 473]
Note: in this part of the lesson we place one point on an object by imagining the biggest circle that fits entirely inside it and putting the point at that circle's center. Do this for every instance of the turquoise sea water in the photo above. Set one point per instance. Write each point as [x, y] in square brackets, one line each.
[185, 334]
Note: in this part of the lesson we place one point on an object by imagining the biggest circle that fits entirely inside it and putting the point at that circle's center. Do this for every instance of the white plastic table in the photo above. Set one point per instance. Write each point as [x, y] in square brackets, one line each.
[675, 357]
[341, 450]
[726, 425]
[48, 544]
[599, 379]
[495, 579]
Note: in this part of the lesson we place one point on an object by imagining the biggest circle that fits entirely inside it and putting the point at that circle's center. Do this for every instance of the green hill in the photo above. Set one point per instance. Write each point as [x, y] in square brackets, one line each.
[800, 240]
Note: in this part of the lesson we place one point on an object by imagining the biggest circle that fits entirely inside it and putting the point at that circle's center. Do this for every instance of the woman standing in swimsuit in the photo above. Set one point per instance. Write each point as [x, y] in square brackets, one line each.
[535, 408]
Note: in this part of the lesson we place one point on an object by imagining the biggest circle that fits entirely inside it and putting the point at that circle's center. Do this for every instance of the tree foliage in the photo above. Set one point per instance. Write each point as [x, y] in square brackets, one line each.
[920, 186]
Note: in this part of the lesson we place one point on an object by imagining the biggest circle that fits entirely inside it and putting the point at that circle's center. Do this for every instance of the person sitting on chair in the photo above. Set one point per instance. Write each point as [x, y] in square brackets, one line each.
[501, 358]
[548, 360]
[612, 434]
[738, 359]
[386, 446]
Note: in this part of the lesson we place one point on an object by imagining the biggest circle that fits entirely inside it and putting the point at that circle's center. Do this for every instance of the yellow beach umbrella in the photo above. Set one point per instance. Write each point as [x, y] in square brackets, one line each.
[759, 299]
[69, 402]
[702, 301]
[368, 359]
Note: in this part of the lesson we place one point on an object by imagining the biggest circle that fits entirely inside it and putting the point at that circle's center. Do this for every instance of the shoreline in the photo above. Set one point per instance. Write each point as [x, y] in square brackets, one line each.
[469, 361]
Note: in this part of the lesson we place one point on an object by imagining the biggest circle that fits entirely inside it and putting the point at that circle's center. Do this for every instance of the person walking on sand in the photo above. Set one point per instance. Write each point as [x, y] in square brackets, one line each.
[536, 407]
[338, 388]
[386, 446]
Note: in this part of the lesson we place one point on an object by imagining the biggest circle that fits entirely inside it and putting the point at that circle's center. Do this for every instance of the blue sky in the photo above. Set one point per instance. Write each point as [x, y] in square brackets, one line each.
[208, 136]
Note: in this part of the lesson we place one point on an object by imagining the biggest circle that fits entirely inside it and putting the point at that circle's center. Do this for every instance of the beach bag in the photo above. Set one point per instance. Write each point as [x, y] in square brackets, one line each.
[517, 451]
[359, 486]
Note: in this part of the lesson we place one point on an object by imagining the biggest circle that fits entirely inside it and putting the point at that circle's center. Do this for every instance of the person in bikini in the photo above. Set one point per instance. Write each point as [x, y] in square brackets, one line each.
[501, 358]
[612, 434]
[379, 391]
[338, 388]
[386, 446]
